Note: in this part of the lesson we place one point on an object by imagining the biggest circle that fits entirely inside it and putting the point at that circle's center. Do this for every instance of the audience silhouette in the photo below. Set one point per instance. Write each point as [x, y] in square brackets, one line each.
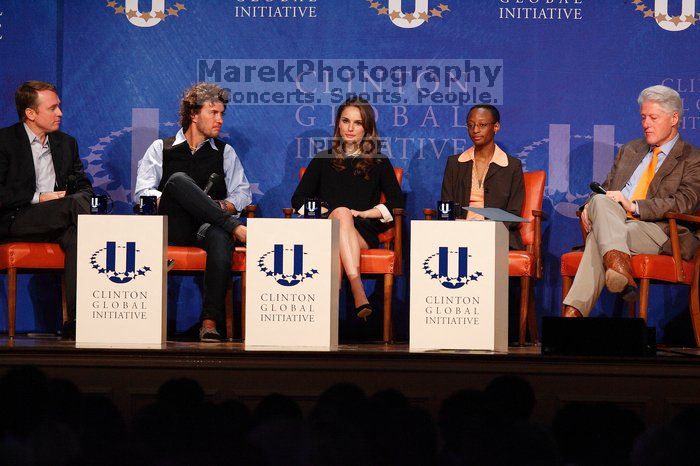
[47, 421]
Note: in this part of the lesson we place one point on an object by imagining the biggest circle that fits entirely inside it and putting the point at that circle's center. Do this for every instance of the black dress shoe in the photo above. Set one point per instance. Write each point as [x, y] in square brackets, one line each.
[363, 311]
[68, 330]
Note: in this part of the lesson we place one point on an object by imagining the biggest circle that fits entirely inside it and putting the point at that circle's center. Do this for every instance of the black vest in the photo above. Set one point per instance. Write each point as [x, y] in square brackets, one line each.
[198, 166]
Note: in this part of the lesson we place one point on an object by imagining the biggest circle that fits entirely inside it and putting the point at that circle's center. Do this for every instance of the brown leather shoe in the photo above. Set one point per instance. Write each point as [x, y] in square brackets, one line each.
[571, 311]
[618, 271]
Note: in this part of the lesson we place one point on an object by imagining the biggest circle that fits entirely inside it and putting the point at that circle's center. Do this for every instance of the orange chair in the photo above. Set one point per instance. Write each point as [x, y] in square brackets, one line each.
[653, 268]
[37, 256]
[386, 261]
[526, 264]
[32, 256]
[194, 259]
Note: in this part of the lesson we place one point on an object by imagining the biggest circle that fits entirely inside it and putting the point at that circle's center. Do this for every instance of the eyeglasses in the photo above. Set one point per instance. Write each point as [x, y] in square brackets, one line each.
[481, 126]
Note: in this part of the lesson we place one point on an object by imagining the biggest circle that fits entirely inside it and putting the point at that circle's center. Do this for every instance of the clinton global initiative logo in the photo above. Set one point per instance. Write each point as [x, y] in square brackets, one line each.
[145, 19]
[437, 265]
[659, 13]
[423, 11]
[275, 270]
[277, 9]
[572, 160]
[540, 10]
[104, 262]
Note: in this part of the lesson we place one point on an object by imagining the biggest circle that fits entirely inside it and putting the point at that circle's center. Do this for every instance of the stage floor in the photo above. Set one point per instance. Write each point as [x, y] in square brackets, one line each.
[657, 387]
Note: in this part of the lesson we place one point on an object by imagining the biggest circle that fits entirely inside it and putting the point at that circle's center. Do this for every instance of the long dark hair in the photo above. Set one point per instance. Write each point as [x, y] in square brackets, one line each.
[369, 146]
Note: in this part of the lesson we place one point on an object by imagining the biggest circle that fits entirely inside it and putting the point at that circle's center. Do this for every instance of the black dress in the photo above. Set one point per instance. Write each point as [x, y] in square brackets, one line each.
[345, 189]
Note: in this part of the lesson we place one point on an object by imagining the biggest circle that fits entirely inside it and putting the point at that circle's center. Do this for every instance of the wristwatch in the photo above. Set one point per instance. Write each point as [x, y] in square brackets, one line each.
[636, 209]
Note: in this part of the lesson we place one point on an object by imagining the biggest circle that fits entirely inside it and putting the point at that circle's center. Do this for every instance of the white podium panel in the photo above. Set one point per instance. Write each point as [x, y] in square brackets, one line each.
[292, 268]
[459, 285]
[121, 280]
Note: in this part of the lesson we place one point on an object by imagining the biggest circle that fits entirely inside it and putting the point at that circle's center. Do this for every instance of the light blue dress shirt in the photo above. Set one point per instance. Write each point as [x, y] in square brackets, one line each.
[43, 164]
[150, 173]
[628, 190]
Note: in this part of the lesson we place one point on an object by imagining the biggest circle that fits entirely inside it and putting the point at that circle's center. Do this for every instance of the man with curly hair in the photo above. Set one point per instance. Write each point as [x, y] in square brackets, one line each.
[176, 170]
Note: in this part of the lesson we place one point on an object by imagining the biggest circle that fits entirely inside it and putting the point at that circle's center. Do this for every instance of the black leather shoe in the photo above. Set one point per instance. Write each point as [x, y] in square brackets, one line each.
[68, 330]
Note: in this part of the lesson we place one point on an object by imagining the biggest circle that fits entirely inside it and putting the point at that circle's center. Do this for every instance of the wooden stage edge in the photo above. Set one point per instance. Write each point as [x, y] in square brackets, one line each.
[657, 387]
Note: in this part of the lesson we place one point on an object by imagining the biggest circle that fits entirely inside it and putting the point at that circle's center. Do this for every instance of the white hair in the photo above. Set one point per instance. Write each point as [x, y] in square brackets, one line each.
[666, 97]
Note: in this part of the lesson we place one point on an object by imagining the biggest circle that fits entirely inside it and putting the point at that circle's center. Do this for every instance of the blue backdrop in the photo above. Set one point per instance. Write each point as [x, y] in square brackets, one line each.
[565, 75]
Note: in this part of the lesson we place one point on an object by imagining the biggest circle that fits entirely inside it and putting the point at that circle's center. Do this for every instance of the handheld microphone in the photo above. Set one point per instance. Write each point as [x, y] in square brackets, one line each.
[212, 179]
[597, 188]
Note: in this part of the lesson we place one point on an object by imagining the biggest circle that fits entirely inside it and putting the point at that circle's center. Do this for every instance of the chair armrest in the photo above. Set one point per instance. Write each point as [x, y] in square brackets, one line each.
[673, 219]
[398, 214]
[541, 214]
[429, 214]
[287, 211]
[537, 244]
[683, 217]
[249, 211]
[584, 233]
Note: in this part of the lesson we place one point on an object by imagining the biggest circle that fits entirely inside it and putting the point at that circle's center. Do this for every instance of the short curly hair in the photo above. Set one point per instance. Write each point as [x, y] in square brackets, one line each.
[196, 96]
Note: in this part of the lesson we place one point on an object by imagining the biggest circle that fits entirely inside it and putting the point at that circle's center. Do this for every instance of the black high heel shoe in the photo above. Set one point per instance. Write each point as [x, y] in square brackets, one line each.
[363, 311]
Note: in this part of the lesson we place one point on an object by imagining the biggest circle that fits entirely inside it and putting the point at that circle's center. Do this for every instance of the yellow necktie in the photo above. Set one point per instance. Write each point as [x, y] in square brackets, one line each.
[640, 191]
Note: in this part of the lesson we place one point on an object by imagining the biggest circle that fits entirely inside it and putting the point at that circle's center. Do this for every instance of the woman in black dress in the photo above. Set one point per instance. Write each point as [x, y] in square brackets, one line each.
[350, 178]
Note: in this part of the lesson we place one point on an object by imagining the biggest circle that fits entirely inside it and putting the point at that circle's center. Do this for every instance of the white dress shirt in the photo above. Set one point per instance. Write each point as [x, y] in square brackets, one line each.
[43, 164]
[150, 173]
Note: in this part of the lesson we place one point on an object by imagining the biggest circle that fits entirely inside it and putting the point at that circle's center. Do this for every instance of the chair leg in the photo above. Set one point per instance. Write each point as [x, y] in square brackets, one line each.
[532, 316]
[64, 302]
[644, 297]
[11, 300]
[566, 283]
[524, 303]
[243, 293]
[631, 309]
[229, 309]
[388, 291]
[695, 306]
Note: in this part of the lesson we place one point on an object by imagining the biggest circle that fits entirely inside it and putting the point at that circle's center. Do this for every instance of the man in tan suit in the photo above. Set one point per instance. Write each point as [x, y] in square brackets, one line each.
[650, 177]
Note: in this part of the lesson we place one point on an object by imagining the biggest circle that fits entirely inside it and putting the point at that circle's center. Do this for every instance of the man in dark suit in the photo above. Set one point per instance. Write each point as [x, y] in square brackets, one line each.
[43, 187]
[651, 177]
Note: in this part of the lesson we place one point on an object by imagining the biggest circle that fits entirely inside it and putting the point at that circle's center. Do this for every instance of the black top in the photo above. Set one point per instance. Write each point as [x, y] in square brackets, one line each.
[345, 189]
[199, 166]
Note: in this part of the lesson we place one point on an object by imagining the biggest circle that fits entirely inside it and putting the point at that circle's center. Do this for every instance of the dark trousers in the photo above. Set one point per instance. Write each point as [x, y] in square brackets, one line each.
[56, 222]
[188, 208]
